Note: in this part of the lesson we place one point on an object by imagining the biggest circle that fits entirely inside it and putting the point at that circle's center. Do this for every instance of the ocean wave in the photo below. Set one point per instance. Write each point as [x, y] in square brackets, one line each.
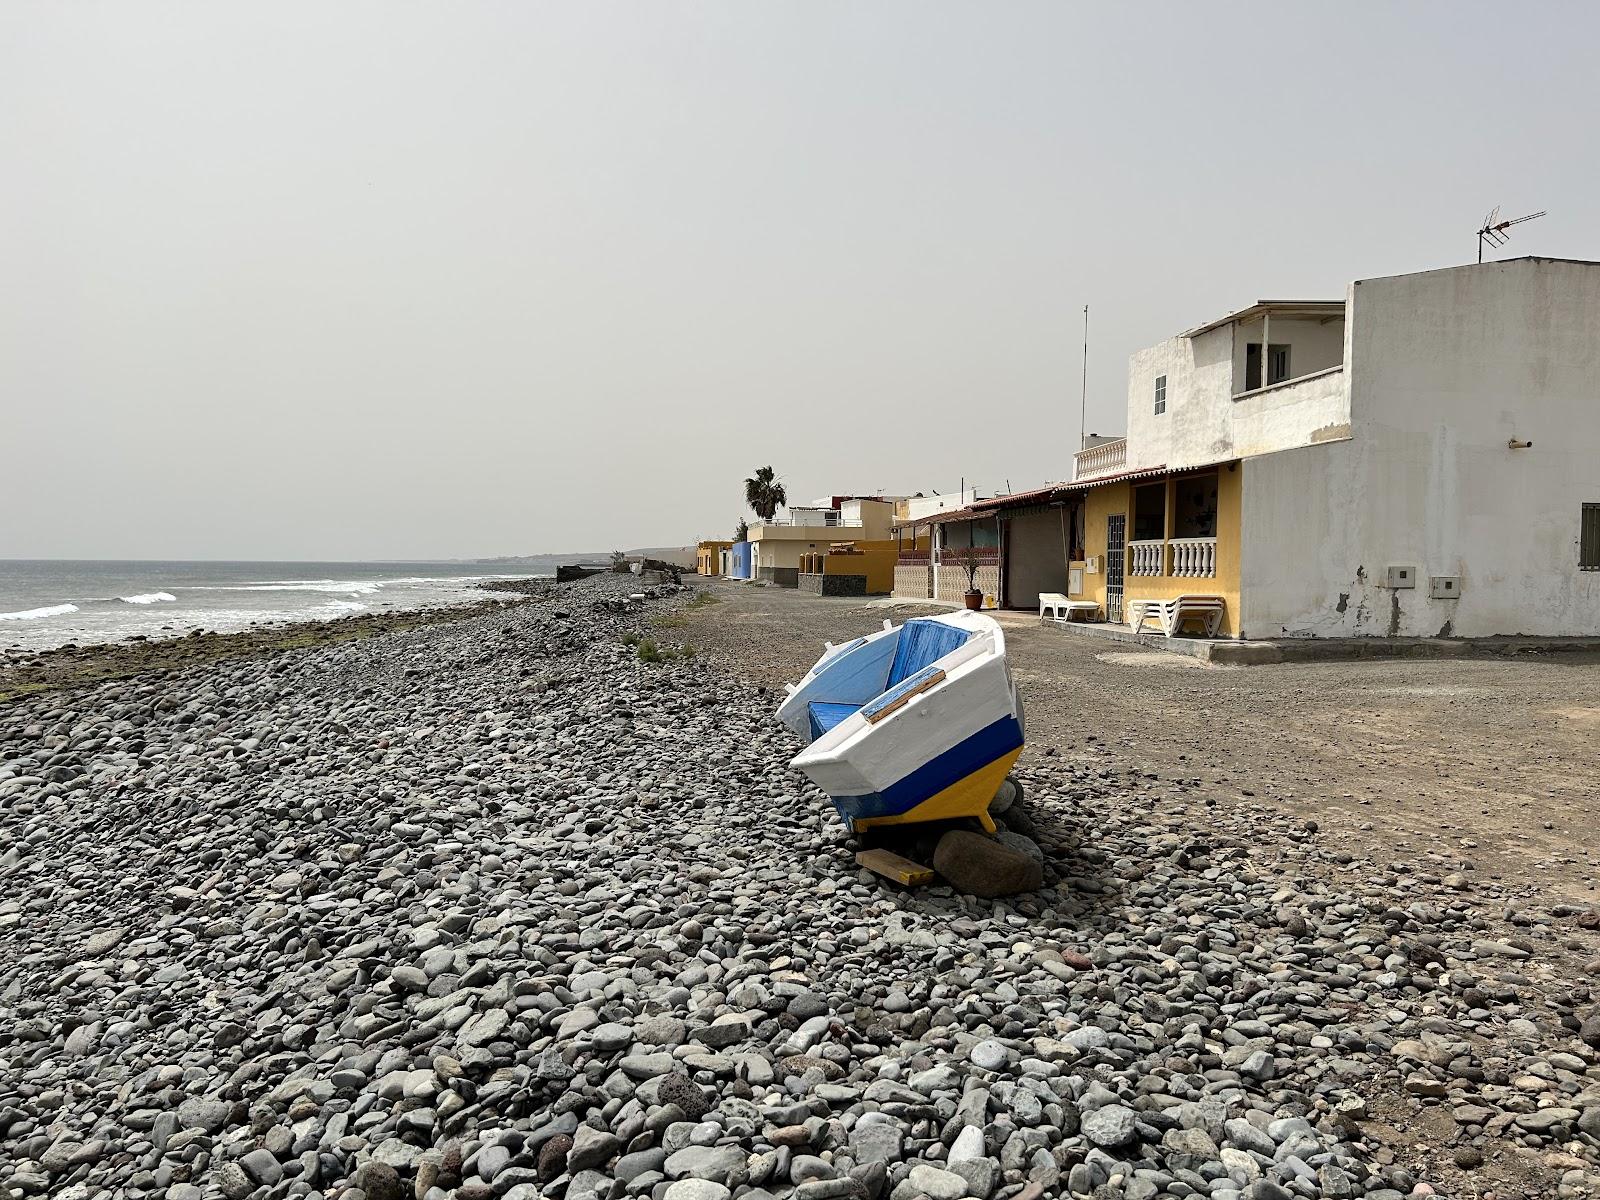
[345, 605]
[149, 598]
[354, 587]
[34, 614]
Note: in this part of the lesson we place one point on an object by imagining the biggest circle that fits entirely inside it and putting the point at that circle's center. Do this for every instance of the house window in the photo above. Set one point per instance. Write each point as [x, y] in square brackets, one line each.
[1150, 512]
[1161, 394]
[1277, 364]
[1589, 539]
[1195, 513]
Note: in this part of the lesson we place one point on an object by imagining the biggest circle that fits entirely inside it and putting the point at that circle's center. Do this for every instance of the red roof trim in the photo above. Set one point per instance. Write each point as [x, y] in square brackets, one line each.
[1140, 473]
[944, 518]
[1015, 498]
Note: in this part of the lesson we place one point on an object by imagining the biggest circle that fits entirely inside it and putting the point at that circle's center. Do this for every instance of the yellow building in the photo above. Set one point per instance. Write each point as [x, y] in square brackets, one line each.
[1152, 534]
[849, 569]
[1156, 535]
[708, 557]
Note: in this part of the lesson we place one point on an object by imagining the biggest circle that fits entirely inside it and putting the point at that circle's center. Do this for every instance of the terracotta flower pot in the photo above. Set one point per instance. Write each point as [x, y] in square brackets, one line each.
[974, 598]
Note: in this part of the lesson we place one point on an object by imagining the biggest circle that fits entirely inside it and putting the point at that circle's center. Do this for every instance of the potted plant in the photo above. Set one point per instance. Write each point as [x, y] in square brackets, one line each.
[969, 560]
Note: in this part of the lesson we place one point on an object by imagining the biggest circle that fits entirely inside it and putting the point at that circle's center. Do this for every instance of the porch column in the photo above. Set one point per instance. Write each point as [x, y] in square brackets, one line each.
[999, 562]
[1266, 343]
[1170, 525]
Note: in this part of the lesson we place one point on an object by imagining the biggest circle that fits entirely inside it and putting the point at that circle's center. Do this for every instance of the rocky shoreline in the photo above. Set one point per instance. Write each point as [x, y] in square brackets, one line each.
[494, 907]
[23, 672]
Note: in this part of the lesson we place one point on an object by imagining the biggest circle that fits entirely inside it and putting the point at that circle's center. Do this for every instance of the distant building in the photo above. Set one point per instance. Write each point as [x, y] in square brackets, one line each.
[708, 558]
[1421, 458]
[778, 546]
[846, 569]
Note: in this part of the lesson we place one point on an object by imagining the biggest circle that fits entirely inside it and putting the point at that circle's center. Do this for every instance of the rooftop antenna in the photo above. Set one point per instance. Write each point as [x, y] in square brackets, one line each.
[1494, 229]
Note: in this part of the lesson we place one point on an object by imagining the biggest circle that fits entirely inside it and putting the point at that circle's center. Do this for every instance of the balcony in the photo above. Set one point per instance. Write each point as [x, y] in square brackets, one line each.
[1194, 558]
[1180, 558]
[813, 519]
[1314, 385]
[1101, 459]
[804, 531]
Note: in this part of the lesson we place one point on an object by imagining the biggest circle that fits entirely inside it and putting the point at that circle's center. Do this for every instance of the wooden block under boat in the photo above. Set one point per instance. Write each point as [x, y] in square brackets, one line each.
[892, 866]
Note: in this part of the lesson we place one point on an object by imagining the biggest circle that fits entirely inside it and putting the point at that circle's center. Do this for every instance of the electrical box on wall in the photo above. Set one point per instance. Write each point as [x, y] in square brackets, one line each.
[1092, 565]
[1402, 577]
[1444, 587]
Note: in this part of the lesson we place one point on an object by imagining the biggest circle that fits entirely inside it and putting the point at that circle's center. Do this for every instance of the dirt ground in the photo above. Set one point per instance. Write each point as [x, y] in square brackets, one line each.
[1485, 767]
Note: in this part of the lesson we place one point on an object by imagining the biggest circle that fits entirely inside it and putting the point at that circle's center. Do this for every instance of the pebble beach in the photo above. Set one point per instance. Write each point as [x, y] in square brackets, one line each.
[502, 907]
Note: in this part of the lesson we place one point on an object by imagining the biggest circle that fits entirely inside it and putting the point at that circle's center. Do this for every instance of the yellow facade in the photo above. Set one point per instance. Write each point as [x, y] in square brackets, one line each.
[1113, 498]
[788, 551]
[708, 557]
[875, 560]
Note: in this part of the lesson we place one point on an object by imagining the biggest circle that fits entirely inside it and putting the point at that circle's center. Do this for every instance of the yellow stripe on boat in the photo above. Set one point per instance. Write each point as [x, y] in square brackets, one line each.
[967, 797]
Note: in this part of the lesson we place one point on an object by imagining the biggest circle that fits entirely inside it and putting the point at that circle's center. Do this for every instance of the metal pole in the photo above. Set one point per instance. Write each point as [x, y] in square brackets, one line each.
[1083, 404]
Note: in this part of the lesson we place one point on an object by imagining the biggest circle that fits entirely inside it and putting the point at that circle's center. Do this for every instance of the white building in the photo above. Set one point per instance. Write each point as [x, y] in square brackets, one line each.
[1419, 459]
[778, 546]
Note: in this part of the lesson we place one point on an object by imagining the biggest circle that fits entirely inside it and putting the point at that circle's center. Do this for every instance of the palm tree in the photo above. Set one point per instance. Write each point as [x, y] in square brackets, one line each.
[764, 494]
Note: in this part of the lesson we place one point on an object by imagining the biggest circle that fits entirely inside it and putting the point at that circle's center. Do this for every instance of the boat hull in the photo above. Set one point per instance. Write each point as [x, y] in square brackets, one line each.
[922, 799]
[935, 746]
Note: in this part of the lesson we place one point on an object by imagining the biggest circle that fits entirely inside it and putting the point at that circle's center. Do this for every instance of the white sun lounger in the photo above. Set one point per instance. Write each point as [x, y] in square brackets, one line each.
[1171, 614]
[1055, 606]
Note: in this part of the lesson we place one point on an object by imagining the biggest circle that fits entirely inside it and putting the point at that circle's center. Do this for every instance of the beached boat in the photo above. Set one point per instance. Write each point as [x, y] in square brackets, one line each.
[916, 722]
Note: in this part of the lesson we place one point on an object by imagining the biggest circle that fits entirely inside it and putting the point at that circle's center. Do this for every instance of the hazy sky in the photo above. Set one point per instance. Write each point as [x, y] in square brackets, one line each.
[350, 280]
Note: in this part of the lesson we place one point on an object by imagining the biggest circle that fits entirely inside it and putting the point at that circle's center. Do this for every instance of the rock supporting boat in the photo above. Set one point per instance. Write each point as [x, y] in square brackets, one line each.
[916, 722]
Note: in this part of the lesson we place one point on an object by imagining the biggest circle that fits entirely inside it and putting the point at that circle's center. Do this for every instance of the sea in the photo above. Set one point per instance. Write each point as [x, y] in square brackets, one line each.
[48, 603]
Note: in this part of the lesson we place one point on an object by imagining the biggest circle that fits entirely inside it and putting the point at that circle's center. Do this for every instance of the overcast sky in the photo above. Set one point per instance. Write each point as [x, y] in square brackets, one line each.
[361, 280]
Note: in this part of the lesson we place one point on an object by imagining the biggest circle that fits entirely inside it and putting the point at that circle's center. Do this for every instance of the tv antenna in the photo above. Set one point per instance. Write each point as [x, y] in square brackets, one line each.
[1494, 229]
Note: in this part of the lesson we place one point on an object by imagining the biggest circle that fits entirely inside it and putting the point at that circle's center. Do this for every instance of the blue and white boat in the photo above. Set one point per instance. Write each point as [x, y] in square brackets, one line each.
[917, 722]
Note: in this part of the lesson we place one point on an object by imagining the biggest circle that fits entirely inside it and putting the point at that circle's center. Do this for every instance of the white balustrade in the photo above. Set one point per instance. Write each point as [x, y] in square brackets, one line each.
[1144, 558]
[1194, 557]
[1107, 456]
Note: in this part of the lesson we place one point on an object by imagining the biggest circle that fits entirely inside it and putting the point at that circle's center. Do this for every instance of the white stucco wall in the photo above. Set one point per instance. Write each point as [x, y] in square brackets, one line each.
[875, 517]
[1204, 424]
[917, 507]
[1445, 367]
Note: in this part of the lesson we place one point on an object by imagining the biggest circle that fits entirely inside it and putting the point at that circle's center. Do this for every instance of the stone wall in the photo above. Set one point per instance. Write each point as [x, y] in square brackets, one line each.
[913, 581]
[834, 585]
[951, 582]
[781, 576]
